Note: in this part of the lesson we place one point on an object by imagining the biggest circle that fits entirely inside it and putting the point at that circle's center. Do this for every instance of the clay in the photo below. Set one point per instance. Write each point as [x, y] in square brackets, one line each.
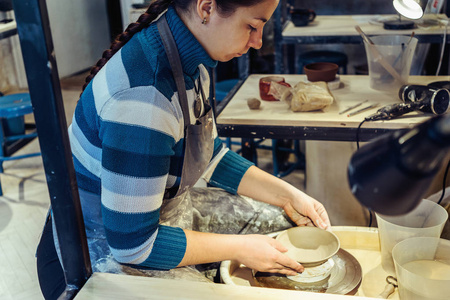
[253, 103]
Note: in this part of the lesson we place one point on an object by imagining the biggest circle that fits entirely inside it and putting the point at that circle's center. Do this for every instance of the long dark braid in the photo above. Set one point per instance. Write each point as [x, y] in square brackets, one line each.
[153, 11]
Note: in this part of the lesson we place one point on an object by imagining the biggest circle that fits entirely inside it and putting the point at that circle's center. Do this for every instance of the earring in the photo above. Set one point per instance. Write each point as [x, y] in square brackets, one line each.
[204, 21]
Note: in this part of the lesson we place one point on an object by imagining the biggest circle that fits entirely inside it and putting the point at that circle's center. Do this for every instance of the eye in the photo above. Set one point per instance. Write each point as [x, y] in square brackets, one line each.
[252, 28]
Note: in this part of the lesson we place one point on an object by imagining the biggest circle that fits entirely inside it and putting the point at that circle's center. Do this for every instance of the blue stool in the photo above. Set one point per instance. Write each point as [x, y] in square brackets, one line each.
[224, 87]
[338, 58]
[12, 127]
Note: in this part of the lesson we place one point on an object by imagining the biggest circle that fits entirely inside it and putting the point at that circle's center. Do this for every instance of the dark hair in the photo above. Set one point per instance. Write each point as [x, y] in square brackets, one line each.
[224, 7]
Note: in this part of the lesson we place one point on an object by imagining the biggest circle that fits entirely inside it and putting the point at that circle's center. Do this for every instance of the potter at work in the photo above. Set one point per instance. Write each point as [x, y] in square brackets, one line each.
[153, 189]
[142, 136]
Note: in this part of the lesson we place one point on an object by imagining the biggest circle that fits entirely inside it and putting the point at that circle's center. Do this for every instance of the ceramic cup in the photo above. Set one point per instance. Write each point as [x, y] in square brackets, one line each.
[302, 16]
[264, 86]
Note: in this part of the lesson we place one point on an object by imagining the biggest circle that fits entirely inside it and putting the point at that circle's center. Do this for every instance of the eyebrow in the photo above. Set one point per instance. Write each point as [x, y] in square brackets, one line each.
[264, 20]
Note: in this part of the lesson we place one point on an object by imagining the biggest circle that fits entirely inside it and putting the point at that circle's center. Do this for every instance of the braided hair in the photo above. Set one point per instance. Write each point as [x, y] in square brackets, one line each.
[225, 7]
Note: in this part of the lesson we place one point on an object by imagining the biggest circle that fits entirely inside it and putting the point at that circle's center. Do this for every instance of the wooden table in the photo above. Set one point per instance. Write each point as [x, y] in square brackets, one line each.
[341, 29]
[275, 120]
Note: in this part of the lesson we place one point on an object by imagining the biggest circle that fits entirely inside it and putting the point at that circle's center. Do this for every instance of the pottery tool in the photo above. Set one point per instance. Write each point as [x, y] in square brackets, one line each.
[362, 109]
[403, 49]
[379, 57]
[389, 288]
[249, 223]
[352, 107]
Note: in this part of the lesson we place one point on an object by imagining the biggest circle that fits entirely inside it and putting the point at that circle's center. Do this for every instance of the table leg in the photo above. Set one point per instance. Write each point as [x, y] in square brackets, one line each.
[249, 150]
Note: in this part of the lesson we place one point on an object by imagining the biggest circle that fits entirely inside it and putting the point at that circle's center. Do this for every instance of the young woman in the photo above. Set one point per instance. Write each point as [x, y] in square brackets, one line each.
[143, 134]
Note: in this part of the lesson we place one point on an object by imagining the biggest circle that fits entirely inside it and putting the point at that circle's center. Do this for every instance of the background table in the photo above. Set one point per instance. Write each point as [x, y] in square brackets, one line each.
[340, 29]
[275, 119]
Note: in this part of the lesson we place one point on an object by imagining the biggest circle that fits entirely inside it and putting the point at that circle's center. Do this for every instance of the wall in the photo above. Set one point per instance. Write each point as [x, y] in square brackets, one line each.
[127, 18]
[80, 33]
[12, 71]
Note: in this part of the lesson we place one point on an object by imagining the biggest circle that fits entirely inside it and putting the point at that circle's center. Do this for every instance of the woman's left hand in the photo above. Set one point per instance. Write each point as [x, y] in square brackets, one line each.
[301, 208]
[306, 211]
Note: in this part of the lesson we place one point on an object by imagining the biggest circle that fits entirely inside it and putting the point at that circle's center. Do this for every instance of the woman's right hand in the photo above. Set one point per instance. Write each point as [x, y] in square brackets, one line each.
[265, 254]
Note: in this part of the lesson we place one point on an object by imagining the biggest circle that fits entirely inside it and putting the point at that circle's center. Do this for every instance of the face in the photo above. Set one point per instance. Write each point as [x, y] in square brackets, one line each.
[228, 37]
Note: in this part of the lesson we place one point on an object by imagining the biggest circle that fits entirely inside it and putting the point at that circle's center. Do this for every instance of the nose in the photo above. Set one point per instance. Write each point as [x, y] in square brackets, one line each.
[255, 40]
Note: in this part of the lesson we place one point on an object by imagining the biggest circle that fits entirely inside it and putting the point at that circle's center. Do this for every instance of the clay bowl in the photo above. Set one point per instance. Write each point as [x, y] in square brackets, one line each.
[310, 246]
[321, 71]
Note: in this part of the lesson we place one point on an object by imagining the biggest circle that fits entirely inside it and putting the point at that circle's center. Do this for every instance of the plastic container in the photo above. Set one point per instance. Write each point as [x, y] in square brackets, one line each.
[426, 220]
[396, 51]
[422, 265]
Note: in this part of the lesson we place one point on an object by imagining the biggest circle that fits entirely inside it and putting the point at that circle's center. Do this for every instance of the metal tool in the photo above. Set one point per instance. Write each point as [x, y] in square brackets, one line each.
[362, 109]
[389, 288]
[352, 107]
[250, 223]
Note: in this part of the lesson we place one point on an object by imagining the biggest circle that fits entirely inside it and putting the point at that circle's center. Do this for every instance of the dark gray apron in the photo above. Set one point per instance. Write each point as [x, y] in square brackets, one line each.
[199, 141]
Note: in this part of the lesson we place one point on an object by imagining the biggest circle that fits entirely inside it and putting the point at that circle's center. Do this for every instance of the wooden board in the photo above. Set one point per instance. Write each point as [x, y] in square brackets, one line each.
[112, 286]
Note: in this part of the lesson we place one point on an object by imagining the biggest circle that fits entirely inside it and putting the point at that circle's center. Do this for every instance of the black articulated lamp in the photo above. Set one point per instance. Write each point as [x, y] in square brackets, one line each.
[391, 174]
[411, 9]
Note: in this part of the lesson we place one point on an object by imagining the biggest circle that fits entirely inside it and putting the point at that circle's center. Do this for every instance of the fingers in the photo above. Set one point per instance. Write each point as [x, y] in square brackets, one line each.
[319, 216]
[291, 265]
[319, 222]
[285, 271]
[309, 213]
[279, 246]
[286, 263]
[324, 216]
[296, 217]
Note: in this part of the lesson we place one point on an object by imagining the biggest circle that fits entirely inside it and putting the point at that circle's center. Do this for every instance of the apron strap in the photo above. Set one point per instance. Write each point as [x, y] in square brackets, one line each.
[175, 64]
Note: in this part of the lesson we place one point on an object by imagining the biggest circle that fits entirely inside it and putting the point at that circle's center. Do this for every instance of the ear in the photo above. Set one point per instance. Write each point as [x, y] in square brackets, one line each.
[204, 8]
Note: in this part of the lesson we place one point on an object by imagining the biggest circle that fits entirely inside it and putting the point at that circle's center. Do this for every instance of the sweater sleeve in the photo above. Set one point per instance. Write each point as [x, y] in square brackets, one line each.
[230, 169]
[138, 139]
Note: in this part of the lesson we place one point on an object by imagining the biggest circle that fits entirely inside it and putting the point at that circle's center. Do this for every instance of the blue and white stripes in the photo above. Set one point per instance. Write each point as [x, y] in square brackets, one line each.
[127, 140]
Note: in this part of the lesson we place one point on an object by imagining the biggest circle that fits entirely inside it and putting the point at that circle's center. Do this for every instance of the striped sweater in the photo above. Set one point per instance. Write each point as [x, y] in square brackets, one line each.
[127, 139]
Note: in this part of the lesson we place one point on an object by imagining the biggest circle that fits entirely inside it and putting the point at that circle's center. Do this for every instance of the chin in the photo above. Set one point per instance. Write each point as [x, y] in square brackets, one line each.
[226, 58]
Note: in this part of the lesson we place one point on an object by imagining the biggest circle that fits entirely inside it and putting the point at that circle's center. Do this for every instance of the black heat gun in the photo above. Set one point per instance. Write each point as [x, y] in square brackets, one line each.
[415, 98]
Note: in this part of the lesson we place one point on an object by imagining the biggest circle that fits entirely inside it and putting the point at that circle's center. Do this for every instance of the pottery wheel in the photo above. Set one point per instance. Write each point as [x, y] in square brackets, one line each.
[344, 279]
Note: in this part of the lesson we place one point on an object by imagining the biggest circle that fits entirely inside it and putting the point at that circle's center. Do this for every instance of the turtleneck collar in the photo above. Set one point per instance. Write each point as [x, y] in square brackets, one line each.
[192, 54]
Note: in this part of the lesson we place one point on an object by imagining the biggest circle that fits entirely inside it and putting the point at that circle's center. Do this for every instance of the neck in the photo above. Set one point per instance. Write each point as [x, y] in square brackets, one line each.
[195, 26]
